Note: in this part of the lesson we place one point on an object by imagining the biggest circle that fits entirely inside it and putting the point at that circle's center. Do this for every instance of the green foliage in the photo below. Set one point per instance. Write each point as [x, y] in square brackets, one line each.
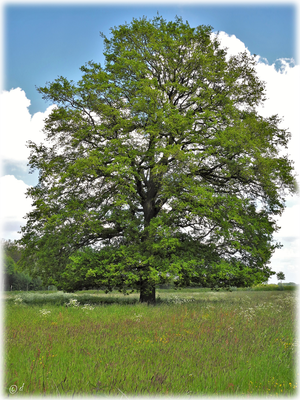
[157, 168]
[14, 278]
[273, 286]
[12, 249]
[280, 276]
[9, 269]
[290, 287]
[263, 287]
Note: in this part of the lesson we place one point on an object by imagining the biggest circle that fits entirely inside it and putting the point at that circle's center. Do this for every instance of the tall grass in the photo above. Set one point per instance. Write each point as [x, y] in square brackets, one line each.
[189, 344]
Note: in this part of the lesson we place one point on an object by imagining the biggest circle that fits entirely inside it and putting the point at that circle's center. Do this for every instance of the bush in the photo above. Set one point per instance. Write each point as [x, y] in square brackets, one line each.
[263, 286]
[273, 286]
[289, 287]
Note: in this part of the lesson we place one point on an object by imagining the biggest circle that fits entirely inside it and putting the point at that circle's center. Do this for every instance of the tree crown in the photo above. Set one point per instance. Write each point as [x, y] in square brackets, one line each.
[161, 163]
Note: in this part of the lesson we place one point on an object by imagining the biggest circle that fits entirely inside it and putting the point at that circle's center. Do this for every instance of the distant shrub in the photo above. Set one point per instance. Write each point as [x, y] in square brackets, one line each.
[263, 286]
[273, 286]
[289, 287]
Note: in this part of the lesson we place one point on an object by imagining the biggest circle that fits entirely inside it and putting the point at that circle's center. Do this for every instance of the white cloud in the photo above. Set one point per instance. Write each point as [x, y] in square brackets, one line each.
[232, 44]
[287, 258]
[18, 126]
[288, 223]
[14, 205]
[283, 98]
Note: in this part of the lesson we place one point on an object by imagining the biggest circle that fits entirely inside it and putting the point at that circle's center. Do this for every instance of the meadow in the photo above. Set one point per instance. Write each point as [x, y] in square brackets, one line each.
[191, 342]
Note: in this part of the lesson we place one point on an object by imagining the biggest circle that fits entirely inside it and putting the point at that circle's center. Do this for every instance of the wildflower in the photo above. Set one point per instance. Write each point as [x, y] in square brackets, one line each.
[178, 300]
[87, 307]
[44, 312]
[136, 317]
[73, 303]
[18, 299]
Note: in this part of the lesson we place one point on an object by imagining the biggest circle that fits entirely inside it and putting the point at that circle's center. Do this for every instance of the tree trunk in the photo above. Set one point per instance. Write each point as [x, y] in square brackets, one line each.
[147, 294]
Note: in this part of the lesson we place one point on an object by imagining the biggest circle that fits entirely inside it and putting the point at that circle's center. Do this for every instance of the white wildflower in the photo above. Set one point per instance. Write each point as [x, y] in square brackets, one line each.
[18, 299]
[249, 313]
[180, 300]
[87, 307]
[137, 317]
[73, 303]
[45, 312]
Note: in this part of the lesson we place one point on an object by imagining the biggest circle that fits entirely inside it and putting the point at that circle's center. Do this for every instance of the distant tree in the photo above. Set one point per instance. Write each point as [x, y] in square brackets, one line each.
[157, 168]
[12, 249]
[280, 276]
[8, 271]
[14, 278]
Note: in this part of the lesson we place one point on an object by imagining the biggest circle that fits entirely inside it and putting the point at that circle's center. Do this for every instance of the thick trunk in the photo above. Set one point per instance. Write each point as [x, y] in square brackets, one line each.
[147, 294]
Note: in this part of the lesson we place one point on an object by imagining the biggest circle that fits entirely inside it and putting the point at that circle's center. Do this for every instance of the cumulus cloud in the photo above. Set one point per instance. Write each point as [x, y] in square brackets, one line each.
[231, 43]
[14, 205]
[18, 126]
[283, 98]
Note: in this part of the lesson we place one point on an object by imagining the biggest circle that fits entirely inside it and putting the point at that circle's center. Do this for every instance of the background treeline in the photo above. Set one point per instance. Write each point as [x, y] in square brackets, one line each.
[14, 279]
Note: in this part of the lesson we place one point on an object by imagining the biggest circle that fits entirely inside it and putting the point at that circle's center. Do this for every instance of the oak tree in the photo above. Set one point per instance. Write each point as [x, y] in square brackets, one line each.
[157, 167]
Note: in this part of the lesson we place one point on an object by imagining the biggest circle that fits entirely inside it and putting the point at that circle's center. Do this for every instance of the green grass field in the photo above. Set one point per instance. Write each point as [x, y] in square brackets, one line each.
[192, 342]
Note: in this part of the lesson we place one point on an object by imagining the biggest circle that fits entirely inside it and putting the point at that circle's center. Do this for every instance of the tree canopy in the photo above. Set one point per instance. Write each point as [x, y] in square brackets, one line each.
[280, 276]
[14, 279]
[157, 167]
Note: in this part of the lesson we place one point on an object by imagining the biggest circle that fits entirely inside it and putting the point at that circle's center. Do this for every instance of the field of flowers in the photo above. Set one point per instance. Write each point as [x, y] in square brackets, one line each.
[190, 343]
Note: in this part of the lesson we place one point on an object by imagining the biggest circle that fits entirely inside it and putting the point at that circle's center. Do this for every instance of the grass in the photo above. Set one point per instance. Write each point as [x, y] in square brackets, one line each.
[190, 343]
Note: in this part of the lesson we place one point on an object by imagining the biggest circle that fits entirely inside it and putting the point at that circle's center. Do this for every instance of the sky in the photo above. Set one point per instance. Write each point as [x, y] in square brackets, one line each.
[41, 42]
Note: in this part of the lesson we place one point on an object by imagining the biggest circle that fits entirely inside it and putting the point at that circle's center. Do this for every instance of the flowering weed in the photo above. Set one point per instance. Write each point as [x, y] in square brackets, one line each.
[44, 313]
[73, 303]
[87, 307]
[18, 299]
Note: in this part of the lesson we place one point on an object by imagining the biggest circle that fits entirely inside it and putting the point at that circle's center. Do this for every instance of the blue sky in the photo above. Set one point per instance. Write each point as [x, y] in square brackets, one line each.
[43, 42]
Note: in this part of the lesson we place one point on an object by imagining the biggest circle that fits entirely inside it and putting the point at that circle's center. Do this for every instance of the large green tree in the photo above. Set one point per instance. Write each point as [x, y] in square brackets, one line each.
[157, 167]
